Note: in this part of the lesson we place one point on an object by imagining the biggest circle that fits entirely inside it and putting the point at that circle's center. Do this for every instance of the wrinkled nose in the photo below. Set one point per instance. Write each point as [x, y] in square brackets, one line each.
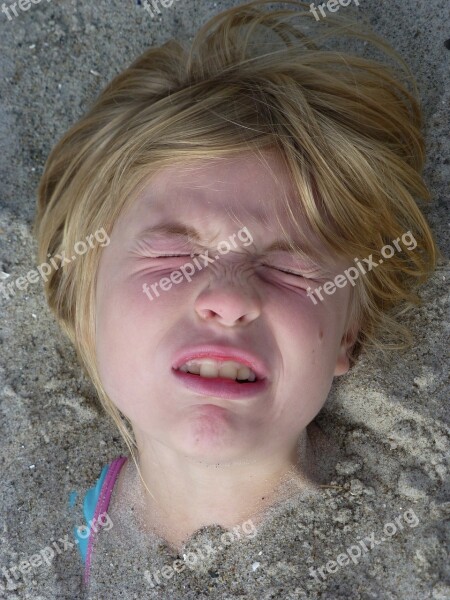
[228, 299]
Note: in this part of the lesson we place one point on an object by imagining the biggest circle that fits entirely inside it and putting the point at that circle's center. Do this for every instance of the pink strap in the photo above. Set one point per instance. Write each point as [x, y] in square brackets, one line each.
[102, 506]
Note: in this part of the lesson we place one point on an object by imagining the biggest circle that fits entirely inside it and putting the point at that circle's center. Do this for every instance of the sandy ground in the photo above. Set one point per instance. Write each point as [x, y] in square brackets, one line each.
[388, 417]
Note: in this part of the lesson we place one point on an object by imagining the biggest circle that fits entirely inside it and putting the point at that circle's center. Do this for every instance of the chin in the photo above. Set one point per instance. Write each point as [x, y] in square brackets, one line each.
[212, 440]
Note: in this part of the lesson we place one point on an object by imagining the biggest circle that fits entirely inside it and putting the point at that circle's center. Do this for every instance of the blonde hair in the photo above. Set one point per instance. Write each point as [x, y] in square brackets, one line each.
[347, 127]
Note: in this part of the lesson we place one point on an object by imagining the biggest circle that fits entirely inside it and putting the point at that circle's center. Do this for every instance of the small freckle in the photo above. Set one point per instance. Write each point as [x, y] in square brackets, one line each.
[320, 334]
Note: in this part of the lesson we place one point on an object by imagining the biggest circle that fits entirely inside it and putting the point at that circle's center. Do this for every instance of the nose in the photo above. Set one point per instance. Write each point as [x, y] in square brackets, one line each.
[228, 299]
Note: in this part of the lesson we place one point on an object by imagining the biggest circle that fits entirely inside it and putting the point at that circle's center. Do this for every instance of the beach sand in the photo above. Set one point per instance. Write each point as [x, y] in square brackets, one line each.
[388, 416]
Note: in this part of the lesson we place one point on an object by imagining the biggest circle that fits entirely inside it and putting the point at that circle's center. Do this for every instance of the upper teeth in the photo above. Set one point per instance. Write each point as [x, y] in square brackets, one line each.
[215, 368]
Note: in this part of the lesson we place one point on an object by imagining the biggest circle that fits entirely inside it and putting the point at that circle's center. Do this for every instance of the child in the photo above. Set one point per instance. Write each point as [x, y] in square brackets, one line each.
[260, 201]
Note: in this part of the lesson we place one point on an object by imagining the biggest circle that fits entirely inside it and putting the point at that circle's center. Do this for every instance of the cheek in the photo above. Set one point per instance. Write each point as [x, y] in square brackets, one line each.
[309, 340]
[122, 332]
[129, 329]
[300, 323]
[126, 312]
[309, 336]
[112, 341]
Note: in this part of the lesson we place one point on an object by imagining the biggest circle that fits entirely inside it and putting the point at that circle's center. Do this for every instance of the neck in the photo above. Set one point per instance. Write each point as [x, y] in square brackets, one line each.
[186, 495]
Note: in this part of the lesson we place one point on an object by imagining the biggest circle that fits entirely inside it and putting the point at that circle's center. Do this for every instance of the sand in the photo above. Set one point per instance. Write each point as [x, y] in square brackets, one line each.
[388, 417]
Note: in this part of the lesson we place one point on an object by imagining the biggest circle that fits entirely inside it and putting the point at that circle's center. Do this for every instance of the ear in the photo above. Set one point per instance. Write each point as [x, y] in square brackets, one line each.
[347, 342]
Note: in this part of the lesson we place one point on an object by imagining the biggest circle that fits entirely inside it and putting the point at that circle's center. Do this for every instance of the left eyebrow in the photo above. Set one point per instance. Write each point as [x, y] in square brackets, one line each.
[171, 228]
[283, 246]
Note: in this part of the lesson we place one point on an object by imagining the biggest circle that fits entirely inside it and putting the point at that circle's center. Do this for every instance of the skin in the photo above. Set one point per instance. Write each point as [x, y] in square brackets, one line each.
[191, 445]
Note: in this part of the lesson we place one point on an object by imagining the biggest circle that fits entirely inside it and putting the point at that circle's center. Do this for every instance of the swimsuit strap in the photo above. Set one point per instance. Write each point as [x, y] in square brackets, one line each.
[103, 491]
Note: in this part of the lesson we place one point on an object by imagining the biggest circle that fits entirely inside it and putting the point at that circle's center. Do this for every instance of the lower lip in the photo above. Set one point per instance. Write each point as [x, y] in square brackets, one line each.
[220, 387]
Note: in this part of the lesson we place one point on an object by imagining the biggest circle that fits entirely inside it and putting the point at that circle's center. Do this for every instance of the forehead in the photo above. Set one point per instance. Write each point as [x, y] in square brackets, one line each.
[243, 190]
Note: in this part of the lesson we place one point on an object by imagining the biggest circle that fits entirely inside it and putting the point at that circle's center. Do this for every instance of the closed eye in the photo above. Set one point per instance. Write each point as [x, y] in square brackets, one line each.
[286, 271]
[175, 255]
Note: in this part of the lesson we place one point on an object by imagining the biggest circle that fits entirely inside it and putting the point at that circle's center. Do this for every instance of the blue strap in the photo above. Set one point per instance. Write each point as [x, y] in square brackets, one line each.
[90, 502]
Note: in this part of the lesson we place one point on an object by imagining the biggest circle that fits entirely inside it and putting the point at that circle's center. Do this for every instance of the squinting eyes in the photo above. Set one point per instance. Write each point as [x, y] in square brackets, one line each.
[305, 275]
[279, 269]
[285, 271]
[177, 255]
[304, 268]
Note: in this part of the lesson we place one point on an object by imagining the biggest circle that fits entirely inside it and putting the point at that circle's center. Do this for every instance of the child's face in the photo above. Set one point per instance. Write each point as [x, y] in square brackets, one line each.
[235, 300]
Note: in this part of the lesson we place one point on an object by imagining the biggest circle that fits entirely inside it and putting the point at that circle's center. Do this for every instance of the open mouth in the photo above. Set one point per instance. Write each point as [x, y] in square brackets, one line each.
[221, 377]
[219, 370]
